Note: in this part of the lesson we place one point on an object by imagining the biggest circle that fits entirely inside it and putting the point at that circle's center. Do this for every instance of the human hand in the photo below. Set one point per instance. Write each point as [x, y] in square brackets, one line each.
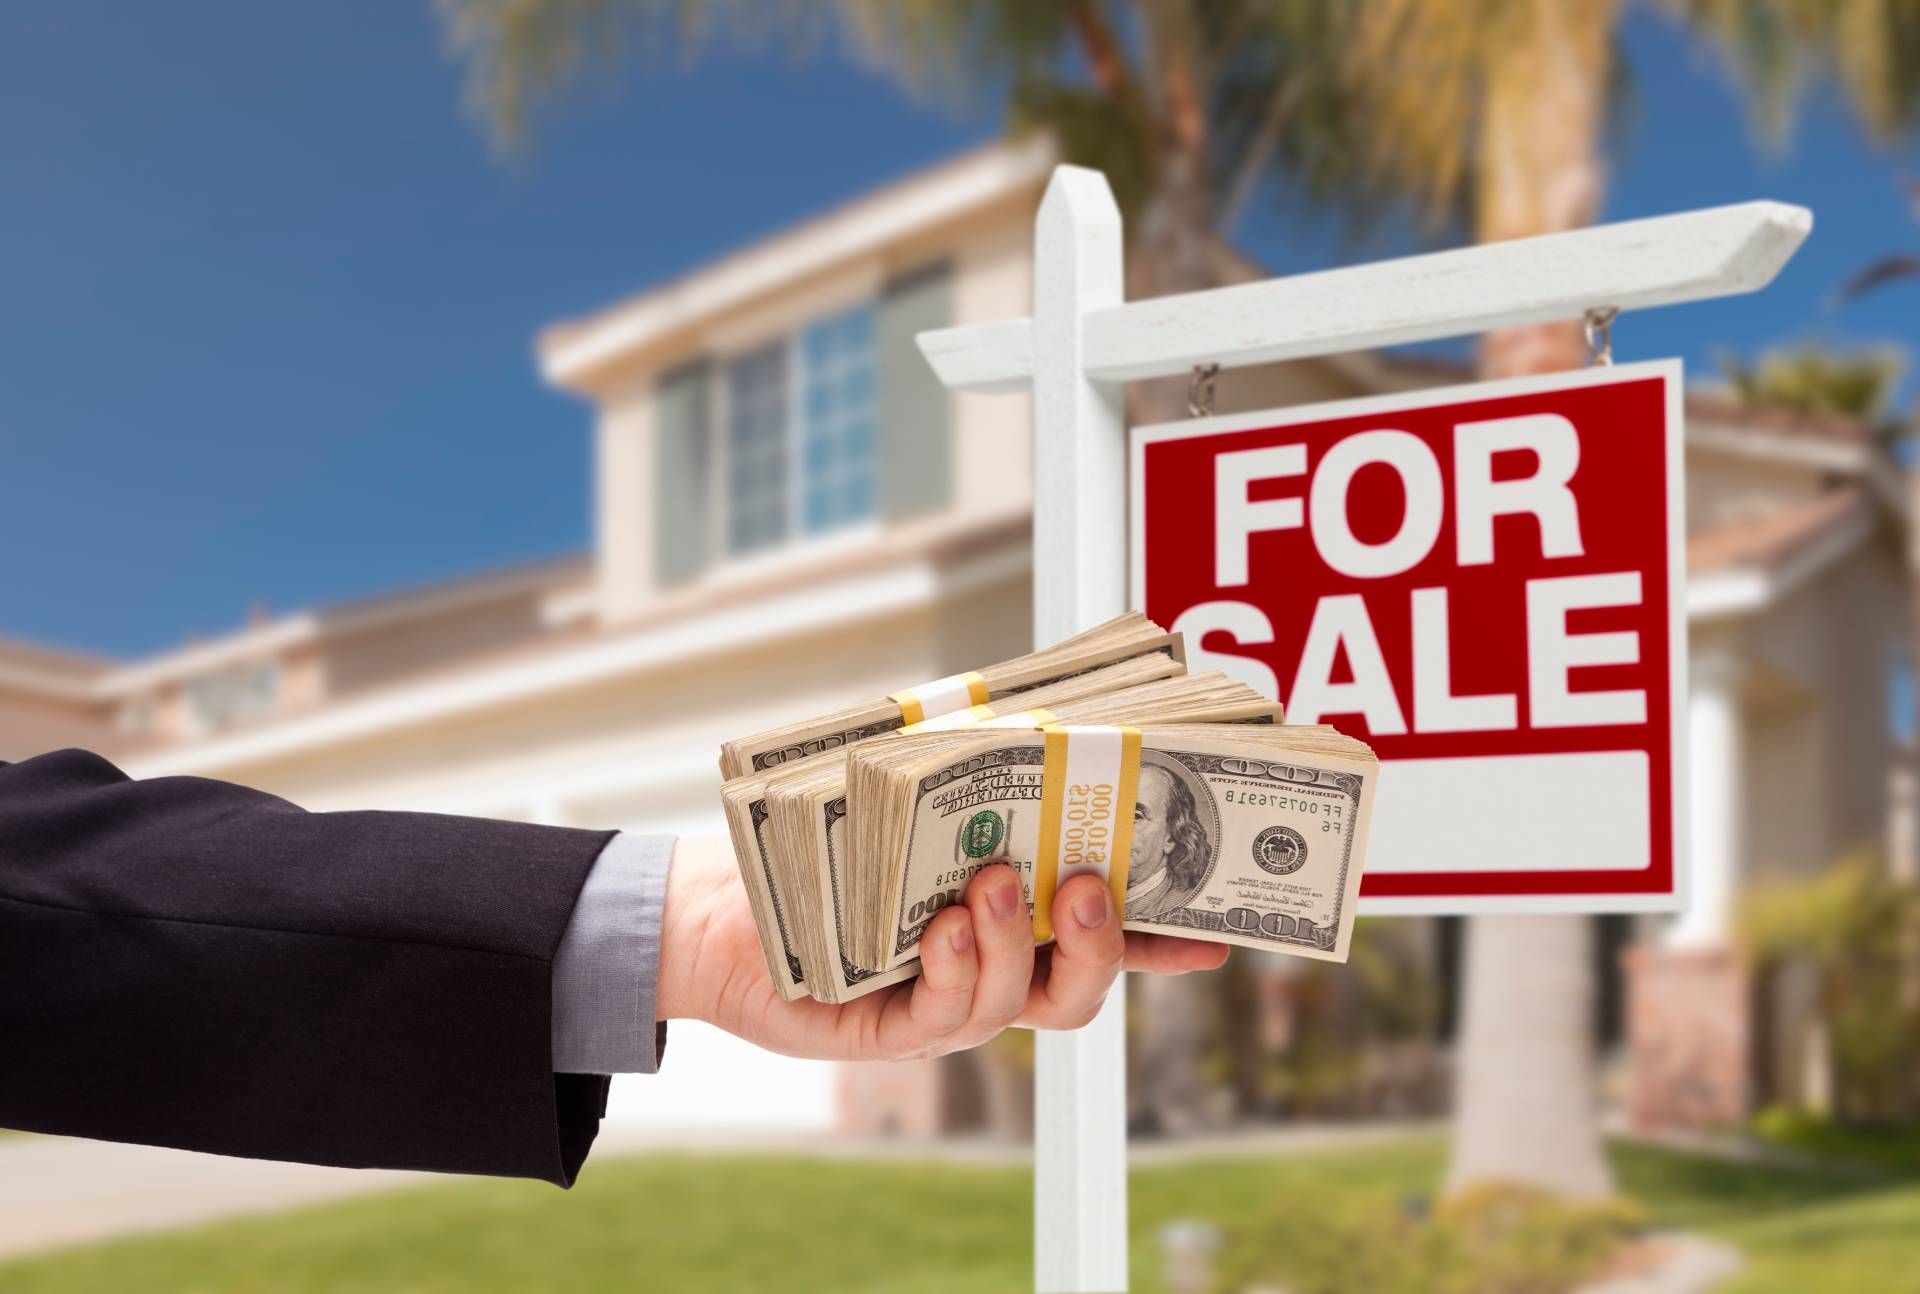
[979, 969]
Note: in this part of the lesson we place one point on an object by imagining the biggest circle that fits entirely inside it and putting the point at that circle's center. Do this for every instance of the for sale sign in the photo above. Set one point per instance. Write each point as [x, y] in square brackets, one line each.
[1484, 582]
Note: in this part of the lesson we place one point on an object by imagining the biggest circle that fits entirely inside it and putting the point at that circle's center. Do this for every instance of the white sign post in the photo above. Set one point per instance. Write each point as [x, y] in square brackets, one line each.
[1084, 343]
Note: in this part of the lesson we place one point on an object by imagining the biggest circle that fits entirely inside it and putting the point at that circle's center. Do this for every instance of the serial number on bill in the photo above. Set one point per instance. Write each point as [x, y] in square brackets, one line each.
[1278, 800]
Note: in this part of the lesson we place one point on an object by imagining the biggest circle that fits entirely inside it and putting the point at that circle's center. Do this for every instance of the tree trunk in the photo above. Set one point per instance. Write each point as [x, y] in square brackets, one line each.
[1525, 1106]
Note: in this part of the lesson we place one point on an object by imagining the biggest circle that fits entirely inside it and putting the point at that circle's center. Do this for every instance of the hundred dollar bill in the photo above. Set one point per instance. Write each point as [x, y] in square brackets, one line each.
[1252, 836]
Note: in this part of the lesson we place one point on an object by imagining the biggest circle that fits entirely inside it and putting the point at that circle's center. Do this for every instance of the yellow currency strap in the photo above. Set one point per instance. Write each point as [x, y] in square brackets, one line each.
[982, 716]
[952, 719]
[942, 696]
[1089, 781]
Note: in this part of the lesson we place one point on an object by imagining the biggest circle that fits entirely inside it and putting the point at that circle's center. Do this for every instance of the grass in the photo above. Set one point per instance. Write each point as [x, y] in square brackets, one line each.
[757, 1223]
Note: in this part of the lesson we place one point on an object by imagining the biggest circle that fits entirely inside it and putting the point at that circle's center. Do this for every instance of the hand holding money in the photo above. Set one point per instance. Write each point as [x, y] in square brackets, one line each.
[1202, 814]
[980, 969]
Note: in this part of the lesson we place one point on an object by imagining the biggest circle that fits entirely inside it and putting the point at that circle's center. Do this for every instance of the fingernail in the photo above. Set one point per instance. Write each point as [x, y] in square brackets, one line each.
[1091, 911]
[962, 937]
[1003, 898]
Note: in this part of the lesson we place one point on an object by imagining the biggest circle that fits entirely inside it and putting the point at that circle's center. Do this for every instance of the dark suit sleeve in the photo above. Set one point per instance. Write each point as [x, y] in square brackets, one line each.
[188, 963]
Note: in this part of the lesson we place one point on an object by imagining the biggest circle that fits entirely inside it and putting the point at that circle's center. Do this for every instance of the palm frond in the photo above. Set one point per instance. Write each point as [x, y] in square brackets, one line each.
[1888, 269]
[520, 51]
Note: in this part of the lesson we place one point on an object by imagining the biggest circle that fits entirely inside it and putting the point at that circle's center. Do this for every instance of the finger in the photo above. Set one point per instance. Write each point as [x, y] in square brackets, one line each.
[1087, 952]
[918, 1020]
[1004, 929]
[1171, 955]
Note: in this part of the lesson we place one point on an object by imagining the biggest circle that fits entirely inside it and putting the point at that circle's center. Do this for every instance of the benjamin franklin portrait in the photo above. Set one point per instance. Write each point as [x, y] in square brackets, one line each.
[1171, 844]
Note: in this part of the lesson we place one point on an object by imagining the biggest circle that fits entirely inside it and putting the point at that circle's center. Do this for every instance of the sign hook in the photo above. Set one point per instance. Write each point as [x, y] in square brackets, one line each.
[1598, 327]
[1200, 390]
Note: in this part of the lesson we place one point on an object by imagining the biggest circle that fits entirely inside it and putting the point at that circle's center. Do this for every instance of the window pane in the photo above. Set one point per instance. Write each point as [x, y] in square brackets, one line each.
[757, 449]
[232, 696]
[837, 440]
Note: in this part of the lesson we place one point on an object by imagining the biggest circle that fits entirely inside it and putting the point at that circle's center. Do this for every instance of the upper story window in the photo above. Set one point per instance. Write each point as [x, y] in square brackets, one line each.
[836, 425]
[800, 434]
[837, 422]
[231, 696]
[757, 449]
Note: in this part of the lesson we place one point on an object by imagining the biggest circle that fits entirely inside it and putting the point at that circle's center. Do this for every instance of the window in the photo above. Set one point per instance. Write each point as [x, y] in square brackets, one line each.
[216, 701]
[1901, 696]
[837, 429]
[757, 449]
[800, 434]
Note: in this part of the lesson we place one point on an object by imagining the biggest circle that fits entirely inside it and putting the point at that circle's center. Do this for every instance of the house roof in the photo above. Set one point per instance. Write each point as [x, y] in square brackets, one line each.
[824, 592]
[1775, 538]
[575, 353]
[107, 680]
[1722, 406]
[52, 672]
[1749, 565]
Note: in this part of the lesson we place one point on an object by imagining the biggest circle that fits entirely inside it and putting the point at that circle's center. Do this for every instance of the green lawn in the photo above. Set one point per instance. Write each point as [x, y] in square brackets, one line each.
[681, 1223]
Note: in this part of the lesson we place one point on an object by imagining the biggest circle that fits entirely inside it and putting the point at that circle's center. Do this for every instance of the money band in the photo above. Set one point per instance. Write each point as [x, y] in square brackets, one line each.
[1088, 784]
[942, 696]
[966, 718]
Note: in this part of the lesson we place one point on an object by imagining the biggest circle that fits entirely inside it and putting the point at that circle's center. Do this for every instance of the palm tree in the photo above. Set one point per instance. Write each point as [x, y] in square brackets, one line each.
[1497, 109]
[1485, 116]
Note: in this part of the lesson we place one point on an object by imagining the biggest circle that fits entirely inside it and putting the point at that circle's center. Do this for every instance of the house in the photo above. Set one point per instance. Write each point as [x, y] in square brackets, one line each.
[791, 513]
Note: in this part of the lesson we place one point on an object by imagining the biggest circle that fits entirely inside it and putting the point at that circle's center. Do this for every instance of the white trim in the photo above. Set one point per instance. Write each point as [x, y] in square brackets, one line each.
[570, 354]
[1741, 590]
[915, 584]
[1728, 593]
[1669, 372]
[567, 608]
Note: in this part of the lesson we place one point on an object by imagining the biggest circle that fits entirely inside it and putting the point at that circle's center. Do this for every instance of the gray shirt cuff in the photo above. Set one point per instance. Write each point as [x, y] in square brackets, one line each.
[608, 964]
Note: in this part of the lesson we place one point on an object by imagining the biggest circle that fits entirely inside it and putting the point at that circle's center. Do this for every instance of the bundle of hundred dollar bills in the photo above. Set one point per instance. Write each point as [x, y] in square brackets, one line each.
[1206, 815]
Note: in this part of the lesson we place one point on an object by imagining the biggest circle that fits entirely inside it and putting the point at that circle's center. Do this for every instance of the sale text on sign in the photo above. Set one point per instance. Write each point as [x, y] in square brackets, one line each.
[1484, 582]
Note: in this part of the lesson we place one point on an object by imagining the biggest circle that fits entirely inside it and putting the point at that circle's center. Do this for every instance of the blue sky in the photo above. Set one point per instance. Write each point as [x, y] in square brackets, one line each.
[267, 297]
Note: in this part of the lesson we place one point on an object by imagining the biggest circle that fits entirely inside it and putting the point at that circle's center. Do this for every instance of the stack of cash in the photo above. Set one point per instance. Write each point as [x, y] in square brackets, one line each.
[1206, 816]
[1228, 832]
[744, 797]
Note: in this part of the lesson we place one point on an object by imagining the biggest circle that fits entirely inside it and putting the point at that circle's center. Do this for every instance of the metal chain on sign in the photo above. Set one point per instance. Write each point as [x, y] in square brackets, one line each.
[1599, 330]
[1200, 390]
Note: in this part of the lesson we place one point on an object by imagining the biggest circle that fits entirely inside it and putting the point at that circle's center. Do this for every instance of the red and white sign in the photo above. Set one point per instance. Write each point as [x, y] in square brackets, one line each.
[1487, 584]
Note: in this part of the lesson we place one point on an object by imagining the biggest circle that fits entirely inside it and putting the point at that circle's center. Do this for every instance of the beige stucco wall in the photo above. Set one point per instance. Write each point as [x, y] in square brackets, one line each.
[1818, 748]
[31, 725]
[352, 663]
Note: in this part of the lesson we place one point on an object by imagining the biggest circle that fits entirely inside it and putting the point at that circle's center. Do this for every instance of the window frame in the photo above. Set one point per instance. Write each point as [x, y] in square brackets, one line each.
[788, 331]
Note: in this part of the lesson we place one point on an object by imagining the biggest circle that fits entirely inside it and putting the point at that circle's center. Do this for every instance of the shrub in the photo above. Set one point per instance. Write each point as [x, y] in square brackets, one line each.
[1860, 931]
[1489, 1240]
